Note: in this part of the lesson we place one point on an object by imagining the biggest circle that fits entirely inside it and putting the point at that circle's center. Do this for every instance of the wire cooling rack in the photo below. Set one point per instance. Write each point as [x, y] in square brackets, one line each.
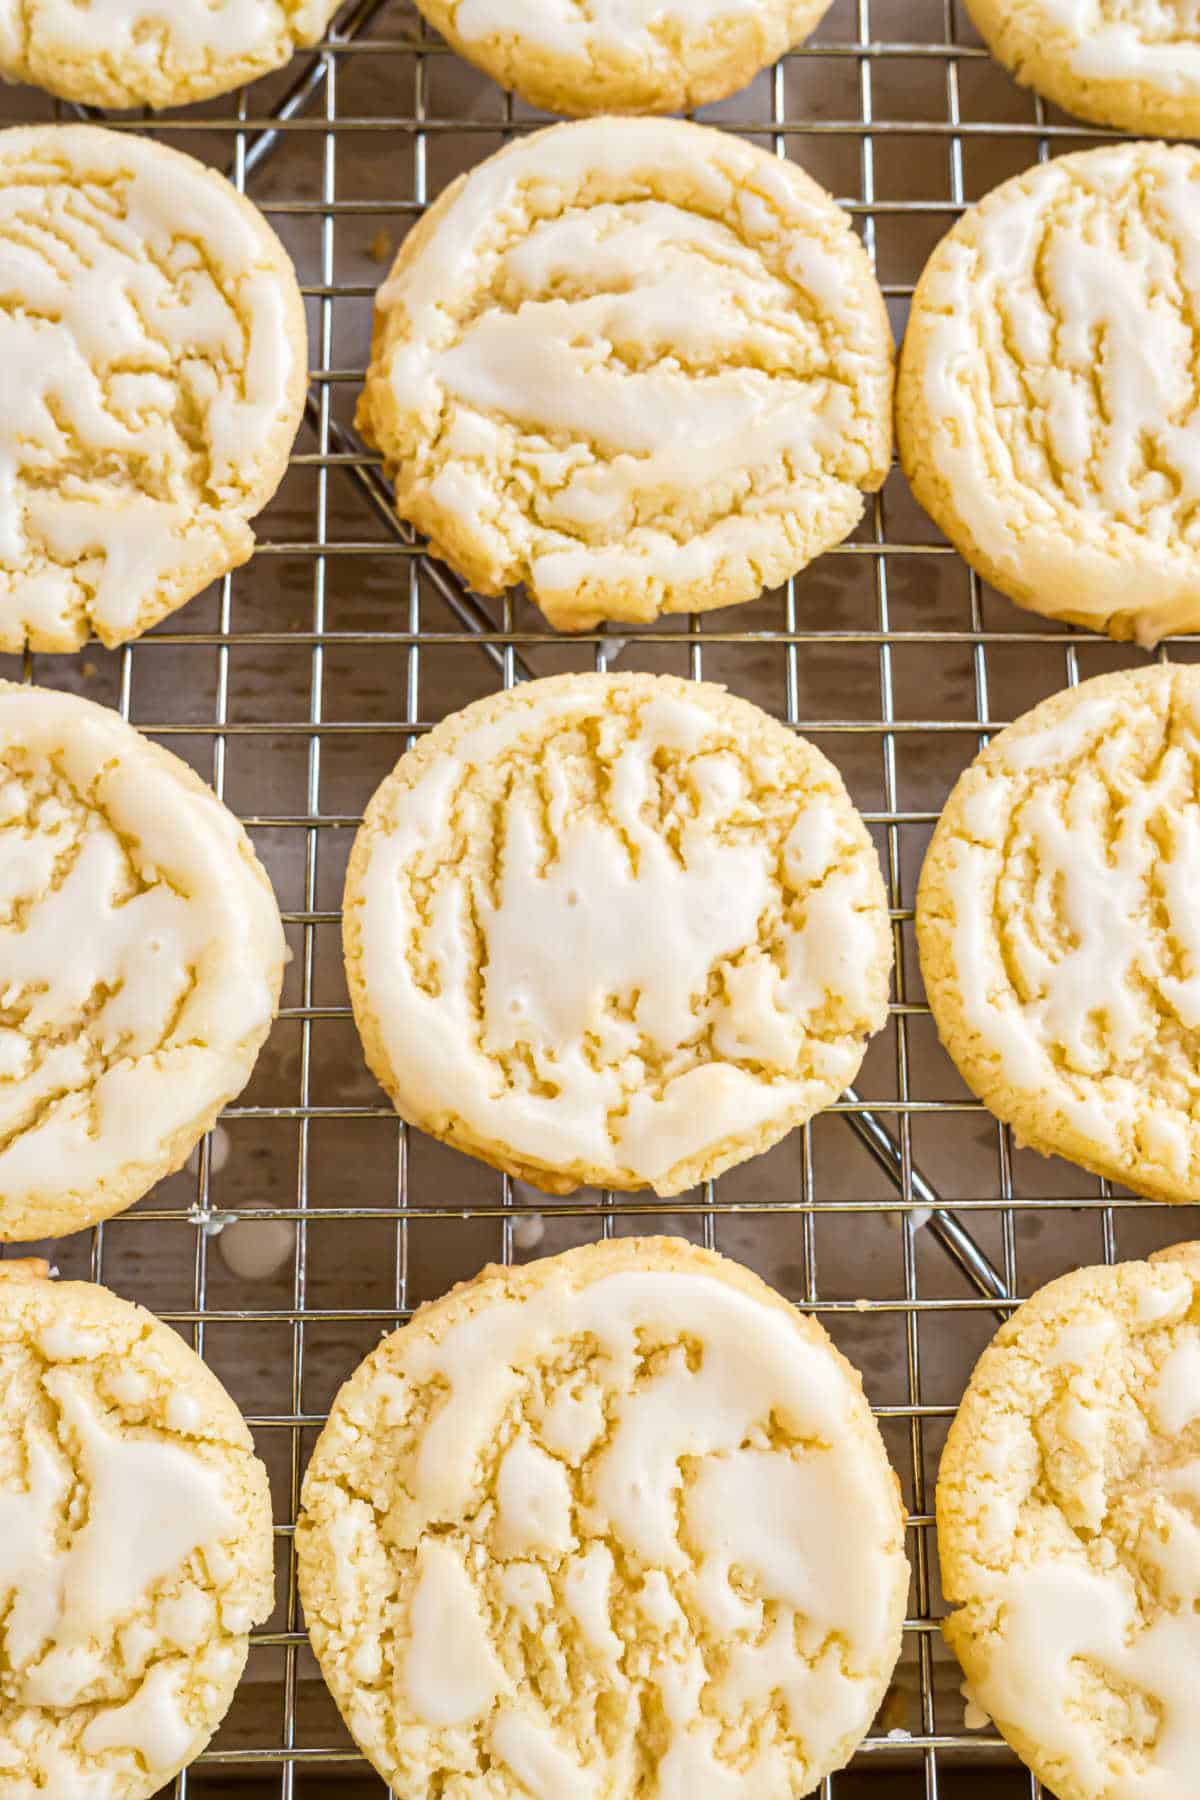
[312, 1220]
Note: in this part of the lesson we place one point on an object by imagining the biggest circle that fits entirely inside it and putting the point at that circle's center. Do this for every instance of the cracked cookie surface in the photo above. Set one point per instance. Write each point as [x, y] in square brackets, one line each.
[615, 1523]
[122, 53]
[639, 365]
[1048, 409]
[620, 929]
[1068, 1518]
[141, 956]
[1056, 923]
[639, 56]
[135, 1545]
[153, 362]
[1132, 63]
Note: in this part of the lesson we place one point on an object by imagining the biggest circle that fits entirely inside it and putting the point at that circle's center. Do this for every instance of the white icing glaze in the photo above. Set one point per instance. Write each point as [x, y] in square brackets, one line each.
[236, 1617]
[29, 1560]
[128, 257]
[451, 1674]
[1071, 933]
[735, 1573]
[184, 1412]
[1058, 1613]
[1085, 726]
[658, 935]
[731, 1611]
[572, 1423]
[811, 847]
[128, 1387]
[1112, 41]
[1164, 1300]
[657, 1603]
[109, 1533]
[782, 1523]
[526, 1588]
[542, 1766]
[134, 32]
[691, 1767]
[585, 1591]
[187, 1618]
[620, 28]
[1078, 1603]
[64, 1343]
[61, 1676]
[143, 980]
[59, 1773]
[140, 950]
[479, 1358]
[1068, 465]
[152, 1722]
[1175, 1401]
[668, 356]
[150, 1506]
[533, 1502]
[1080, 1345]
[759, 1513]
[665, 281]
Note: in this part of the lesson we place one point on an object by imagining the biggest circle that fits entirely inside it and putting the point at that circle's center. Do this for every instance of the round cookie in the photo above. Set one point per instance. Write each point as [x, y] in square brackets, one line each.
[121, 53]
[616, 929]
[1132, 63]
[135, 1545]
[639, 365]
[153, 364]
[635, 56]
[141, 957]
[619, 1522]
[1056, 923]
[1066, 1517]
[1048, 409]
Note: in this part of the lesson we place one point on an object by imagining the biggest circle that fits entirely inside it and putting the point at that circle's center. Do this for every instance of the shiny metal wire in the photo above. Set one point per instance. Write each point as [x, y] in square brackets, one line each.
[966, 1243]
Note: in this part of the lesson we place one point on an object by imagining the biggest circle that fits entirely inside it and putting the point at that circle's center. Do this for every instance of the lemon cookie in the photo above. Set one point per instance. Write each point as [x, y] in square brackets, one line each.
[635, 56]
[1049, 397]
[1066, 1513]
[616, 1523]
[141, 954]
[1056, 921]
[152, 362]
[639, 365]
[135, 1545]
[619, 929]
[120, 53]
[1133, 63]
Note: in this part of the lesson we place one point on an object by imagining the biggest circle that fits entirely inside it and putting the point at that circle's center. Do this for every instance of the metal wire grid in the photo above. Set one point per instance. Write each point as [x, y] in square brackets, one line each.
[958, 1256]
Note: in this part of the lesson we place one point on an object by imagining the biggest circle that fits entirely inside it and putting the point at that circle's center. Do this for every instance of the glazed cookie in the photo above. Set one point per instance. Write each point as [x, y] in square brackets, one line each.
[135, 1545]
[1049, 393]
[639, 365]
[1056, 921]
[153, 363]
[618, 929]
[119, 53]
[616, 1523]
[633, 56]
[1133, 63]
[1066, 1518]
[141, 955]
